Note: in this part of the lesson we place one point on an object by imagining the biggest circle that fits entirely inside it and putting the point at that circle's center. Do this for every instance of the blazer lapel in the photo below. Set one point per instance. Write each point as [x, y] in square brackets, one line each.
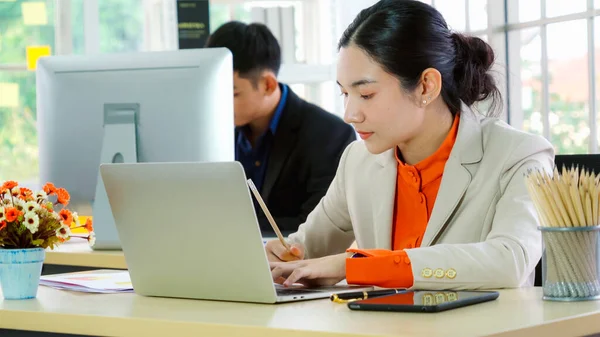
[454, 184]
[283, 142]
[383, 195]
[468, 149]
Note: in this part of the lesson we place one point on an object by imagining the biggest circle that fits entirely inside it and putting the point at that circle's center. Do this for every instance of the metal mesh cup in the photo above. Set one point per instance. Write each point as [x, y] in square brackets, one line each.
[570, 263]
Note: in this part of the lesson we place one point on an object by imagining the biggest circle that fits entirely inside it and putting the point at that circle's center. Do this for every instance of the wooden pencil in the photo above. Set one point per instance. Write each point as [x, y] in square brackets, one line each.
[554, 266]
[568, 198]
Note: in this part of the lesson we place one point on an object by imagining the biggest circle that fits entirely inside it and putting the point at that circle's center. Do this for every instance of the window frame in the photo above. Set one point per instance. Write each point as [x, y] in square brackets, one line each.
[513, 72]
[320, 60]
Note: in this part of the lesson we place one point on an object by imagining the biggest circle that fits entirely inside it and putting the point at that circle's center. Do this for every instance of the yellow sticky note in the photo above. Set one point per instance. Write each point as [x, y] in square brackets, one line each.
[82, 220]
[34, 13]
[34, 53]
[9, 95]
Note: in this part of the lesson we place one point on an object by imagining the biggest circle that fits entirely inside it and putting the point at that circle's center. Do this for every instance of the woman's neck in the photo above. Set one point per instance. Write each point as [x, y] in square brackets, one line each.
[437, 124]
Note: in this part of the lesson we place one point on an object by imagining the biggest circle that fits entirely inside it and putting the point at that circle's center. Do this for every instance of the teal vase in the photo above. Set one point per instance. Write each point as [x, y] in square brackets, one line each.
[20, 271]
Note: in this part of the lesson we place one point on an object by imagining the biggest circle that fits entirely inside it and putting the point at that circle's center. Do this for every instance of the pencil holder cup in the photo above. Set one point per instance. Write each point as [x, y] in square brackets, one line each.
[570, 269]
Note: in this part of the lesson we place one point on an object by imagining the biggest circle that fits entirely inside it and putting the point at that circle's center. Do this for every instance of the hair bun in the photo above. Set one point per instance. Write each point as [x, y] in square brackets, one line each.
[474, 58]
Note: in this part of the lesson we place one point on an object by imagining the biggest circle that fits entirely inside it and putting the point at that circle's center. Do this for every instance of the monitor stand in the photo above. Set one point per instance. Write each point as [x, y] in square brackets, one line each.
[118, 146]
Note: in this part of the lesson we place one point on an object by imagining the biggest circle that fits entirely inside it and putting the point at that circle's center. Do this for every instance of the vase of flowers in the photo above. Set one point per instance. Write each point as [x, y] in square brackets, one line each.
[29, 224]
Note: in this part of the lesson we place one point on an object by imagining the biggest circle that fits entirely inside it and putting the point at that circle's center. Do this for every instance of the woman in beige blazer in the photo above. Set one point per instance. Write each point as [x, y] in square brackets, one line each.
[405, 79]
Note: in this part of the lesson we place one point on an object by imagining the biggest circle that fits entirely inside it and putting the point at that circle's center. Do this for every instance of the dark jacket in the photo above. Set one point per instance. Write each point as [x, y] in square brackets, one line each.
[303, 160]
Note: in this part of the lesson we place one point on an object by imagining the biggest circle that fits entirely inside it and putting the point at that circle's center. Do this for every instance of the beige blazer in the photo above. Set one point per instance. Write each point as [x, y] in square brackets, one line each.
[483, 225]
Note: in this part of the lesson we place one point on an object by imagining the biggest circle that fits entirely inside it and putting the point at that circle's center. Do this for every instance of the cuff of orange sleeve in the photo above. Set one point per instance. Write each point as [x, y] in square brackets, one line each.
[378, 267]
[373, 252]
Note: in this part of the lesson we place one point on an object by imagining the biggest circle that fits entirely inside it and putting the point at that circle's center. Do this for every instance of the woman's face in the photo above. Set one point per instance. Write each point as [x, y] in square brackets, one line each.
[383, 113]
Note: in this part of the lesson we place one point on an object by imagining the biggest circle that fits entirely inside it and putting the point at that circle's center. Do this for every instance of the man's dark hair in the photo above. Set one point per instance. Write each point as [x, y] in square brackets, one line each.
[253, 46]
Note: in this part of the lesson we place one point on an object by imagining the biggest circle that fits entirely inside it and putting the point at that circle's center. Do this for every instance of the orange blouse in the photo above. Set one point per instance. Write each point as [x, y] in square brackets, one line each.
[416, 190]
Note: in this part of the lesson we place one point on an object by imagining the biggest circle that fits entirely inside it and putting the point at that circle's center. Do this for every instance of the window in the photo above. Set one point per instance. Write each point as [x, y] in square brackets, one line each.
[318, 50]
[478, 17]
[525, 10]
[469, 16]
[561, 7]
[112, 26]
[454, 13]
[549, 51]
[595, 75]
[258, 11]
[568, 88]
[530, 57]
[550, 48]
[121, 25]
[22, 24]
[18, 134]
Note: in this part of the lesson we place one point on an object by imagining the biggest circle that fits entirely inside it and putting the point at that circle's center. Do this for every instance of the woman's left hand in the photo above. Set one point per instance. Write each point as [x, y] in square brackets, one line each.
[325, 271]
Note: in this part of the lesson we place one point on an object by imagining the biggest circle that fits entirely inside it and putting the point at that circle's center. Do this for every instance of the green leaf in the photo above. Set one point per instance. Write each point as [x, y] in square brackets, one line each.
[21, 229]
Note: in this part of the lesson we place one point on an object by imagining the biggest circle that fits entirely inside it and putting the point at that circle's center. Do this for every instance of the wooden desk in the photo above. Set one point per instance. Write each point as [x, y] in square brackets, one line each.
[78, 256]
[516, 313]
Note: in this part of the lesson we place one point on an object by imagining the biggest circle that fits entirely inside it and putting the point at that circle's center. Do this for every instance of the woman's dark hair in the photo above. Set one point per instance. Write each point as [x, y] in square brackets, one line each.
[407, 36]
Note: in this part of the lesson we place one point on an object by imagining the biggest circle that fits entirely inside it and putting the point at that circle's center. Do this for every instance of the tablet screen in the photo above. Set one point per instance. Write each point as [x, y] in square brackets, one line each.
[423, 298]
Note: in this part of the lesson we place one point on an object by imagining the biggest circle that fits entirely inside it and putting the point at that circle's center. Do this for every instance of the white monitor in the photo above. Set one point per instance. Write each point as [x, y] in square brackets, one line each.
[172, 106]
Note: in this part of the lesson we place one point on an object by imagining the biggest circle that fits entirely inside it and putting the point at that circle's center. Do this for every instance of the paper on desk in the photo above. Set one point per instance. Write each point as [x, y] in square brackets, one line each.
[116, 282]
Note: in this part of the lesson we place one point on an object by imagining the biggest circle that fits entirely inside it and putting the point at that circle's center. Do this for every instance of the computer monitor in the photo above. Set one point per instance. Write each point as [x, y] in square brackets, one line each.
[171, 106]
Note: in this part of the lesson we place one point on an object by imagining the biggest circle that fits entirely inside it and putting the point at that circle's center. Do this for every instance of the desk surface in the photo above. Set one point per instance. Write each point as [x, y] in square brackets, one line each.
[517, 312]
[79, 253]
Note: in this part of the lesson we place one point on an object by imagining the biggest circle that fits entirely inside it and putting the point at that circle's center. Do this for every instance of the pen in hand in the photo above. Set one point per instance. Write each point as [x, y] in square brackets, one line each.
[363, 295]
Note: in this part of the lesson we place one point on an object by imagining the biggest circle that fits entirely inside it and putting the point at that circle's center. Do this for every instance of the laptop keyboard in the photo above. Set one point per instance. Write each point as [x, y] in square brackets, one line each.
[294, 291]
[282, 291]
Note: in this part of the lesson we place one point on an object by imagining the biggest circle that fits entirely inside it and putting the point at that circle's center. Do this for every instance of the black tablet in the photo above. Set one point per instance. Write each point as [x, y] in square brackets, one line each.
[424, 301]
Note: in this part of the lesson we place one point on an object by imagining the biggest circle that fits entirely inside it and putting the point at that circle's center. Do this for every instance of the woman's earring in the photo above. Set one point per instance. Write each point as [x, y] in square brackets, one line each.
[424, 102]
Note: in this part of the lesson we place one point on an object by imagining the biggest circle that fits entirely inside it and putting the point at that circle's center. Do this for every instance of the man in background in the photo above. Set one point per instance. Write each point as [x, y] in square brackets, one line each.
[289, 148]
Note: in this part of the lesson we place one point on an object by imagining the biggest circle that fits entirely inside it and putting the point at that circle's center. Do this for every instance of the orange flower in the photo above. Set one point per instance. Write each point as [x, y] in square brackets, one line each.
[26, 193]
[2, 225]
[49, 188]
[88, 225]
[66, 217]
[10, 185]
[63, 196]
[12, 214]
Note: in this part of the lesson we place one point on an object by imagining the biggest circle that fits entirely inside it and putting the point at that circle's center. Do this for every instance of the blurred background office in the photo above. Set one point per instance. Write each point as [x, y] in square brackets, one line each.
[546, 51]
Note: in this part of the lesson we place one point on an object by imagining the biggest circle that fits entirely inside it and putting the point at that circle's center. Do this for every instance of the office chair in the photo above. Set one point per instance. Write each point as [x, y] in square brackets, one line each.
[590, 162]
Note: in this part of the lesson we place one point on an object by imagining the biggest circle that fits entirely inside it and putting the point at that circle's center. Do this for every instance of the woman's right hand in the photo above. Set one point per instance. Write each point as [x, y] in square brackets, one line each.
[276, 252]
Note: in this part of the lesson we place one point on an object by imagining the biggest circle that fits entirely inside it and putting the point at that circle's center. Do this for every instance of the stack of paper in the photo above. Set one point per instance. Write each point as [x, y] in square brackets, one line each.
[106, 282]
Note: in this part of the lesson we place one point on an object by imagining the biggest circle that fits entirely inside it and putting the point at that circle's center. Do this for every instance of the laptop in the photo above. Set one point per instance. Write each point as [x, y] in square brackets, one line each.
[189, 230]
[107, 237]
